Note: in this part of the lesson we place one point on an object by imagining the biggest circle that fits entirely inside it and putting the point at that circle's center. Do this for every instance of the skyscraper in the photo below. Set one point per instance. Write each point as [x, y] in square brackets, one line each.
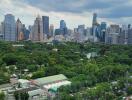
[112, 36]
[45, 20]
[103, 25]
[123, 35]
[9, 28]
[1, 35]
[129, 34]
[63, 28]
[37, 30]
[95, 28]
[62, 24]
[103, 31]
[51, 30]
[94, 19]
[81, 30]
[19, 30]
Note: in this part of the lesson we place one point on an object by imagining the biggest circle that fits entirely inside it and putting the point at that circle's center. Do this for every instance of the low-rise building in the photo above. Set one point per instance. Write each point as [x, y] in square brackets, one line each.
[52, 82]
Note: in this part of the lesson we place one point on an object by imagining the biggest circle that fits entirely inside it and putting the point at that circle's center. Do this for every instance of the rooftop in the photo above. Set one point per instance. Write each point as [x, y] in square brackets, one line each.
[50, 79]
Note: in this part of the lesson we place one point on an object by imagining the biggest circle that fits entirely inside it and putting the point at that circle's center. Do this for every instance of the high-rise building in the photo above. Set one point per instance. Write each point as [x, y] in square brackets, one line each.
[2, 31]
[62, 24]
[94, 19]
[19, 30]
[81, 31]
[95, 28]
[113, 33]
[103, 27]
[63, 28]
[123, 35]
[129, 34]
[1, 35]
[9, 28]
[51, 30]
[37, 30]
[45, 20]
[114, 28]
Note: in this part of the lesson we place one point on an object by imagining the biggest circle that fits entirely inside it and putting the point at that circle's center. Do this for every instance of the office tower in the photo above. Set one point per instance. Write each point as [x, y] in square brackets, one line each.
[9, 28]
[45, 20]
[88, 34]
[81, 30]
[26, 34]
[37, 30]
[51, 30]
[112, 36]
[123, 35]
[2, 31]
[62, 24]
[63, 28]
[103, 31]
[114, 28]
[103, 25]
[1, 35]
[76, 35]
[95, 28]
[19, 30]
[94, 19]
[129, 34]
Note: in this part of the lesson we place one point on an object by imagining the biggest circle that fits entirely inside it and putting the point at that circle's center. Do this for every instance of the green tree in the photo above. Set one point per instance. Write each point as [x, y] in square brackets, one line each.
[2, 96]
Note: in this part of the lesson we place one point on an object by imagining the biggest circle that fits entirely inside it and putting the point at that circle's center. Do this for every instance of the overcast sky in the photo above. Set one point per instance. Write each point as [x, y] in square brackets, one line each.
[74, 12]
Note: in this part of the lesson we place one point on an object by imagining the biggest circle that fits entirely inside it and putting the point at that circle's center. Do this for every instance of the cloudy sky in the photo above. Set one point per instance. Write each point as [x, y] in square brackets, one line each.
[74, 12]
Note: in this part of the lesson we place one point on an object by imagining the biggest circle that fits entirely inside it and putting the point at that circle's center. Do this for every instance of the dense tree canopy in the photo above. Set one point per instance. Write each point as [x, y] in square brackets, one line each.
[91, 78]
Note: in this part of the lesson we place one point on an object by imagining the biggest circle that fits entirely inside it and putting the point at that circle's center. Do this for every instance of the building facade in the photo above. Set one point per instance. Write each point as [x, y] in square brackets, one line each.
[19, 30]
[45, 20]
[9, 28]
[51, 30]
[37, 30]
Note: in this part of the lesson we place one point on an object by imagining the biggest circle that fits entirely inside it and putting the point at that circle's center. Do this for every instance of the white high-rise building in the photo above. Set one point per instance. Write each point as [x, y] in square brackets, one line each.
[123, 36]
[81, 30]
[112, 36]
[37, 30]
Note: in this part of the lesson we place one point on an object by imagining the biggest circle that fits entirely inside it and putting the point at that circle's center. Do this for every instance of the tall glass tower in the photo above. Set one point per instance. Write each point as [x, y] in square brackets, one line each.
[9, 28]
[62, 24]
[45, 20]
[63, 28]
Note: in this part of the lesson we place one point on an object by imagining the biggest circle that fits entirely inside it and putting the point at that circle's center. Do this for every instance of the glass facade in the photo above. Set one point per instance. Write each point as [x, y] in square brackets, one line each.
[45, 20]
[9, 28]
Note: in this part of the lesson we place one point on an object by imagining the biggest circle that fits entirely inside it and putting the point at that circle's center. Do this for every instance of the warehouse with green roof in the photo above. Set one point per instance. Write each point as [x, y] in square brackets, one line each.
[52, 82]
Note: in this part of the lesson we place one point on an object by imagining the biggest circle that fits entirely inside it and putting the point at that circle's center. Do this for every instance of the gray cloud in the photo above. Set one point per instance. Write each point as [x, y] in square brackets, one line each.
[106, 8]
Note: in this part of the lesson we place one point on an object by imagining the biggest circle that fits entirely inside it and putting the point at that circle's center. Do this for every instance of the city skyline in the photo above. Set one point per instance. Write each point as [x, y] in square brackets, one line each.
[73, 12]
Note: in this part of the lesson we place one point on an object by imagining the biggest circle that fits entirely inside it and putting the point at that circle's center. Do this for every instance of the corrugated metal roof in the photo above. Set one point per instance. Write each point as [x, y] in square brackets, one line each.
[50, 79]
